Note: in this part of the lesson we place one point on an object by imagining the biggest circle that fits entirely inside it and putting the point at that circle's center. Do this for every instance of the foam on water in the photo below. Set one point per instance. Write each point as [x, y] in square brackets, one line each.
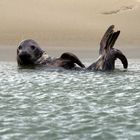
[57, 104]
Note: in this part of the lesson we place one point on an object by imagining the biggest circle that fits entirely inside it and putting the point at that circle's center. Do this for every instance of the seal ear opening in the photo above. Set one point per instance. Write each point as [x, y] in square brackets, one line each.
[32, 47]
[123, 59]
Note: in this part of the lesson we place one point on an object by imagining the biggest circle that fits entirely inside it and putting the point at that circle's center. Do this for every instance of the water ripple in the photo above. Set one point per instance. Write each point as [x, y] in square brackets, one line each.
[61, 104]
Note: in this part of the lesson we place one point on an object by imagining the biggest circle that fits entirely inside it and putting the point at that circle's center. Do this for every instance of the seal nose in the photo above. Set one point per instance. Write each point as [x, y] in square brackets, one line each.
[24, 56]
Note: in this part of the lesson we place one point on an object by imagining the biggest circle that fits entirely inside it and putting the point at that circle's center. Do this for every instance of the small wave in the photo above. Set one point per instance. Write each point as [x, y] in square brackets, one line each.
[63, 104]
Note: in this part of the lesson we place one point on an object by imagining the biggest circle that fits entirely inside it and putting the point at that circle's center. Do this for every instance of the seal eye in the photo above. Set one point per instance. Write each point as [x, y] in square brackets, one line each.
[20, 47]
[32, 47]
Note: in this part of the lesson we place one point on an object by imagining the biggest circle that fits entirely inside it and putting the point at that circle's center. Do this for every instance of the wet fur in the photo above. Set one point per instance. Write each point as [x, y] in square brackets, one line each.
[29, 53]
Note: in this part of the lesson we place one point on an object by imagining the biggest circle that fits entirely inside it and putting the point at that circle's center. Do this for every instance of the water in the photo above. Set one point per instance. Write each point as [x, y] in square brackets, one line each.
[46, 104]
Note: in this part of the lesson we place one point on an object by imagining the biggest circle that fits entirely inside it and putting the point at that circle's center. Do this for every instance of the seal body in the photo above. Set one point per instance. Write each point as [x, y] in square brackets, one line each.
[30, 54]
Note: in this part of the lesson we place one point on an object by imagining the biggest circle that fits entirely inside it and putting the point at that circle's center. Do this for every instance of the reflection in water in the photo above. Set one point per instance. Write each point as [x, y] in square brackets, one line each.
[61, 104]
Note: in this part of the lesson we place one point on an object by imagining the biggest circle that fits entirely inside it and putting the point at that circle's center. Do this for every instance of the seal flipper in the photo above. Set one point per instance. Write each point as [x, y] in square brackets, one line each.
[105, 38]
[73, 58]
[122, 57]
[111, 40]
[108, 54]
[115, 52]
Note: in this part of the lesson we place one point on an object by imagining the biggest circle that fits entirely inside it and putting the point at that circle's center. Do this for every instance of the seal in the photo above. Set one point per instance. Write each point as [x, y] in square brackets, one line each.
[108, 54]
[30, 54]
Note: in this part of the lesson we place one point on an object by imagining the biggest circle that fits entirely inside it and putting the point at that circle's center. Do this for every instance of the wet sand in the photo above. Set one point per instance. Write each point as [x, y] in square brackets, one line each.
[63, 25]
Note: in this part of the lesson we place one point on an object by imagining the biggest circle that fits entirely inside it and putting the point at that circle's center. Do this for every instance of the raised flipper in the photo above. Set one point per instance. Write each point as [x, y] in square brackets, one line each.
[115, 53]
[122, 57]
[108, 54]
[105, 38]
[111, 40]
[73, 58]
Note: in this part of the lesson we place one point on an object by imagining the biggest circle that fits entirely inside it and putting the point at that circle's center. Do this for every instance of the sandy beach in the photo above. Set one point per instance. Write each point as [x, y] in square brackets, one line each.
[63, 25]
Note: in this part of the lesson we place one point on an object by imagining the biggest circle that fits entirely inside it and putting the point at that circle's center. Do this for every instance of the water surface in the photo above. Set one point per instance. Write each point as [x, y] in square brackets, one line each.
[40, 104]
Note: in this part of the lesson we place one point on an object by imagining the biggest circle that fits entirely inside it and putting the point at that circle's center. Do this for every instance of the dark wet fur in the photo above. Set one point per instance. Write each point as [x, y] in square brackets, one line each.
[29, 52]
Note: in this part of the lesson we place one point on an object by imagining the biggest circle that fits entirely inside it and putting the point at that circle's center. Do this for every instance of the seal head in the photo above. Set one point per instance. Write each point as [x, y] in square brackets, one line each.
[28, 52]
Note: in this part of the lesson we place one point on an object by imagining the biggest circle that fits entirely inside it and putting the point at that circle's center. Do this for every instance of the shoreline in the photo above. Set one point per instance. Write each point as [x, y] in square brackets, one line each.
[75, 26]
[85, 51]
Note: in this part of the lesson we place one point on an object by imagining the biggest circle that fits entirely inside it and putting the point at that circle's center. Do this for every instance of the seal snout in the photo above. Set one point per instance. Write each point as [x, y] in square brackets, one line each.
[24, 56]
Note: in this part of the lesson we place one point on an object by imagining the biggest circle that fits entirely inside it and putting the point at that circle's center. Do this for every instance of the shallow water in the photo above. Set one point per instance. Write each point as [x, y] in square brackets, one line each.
[40, 104]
